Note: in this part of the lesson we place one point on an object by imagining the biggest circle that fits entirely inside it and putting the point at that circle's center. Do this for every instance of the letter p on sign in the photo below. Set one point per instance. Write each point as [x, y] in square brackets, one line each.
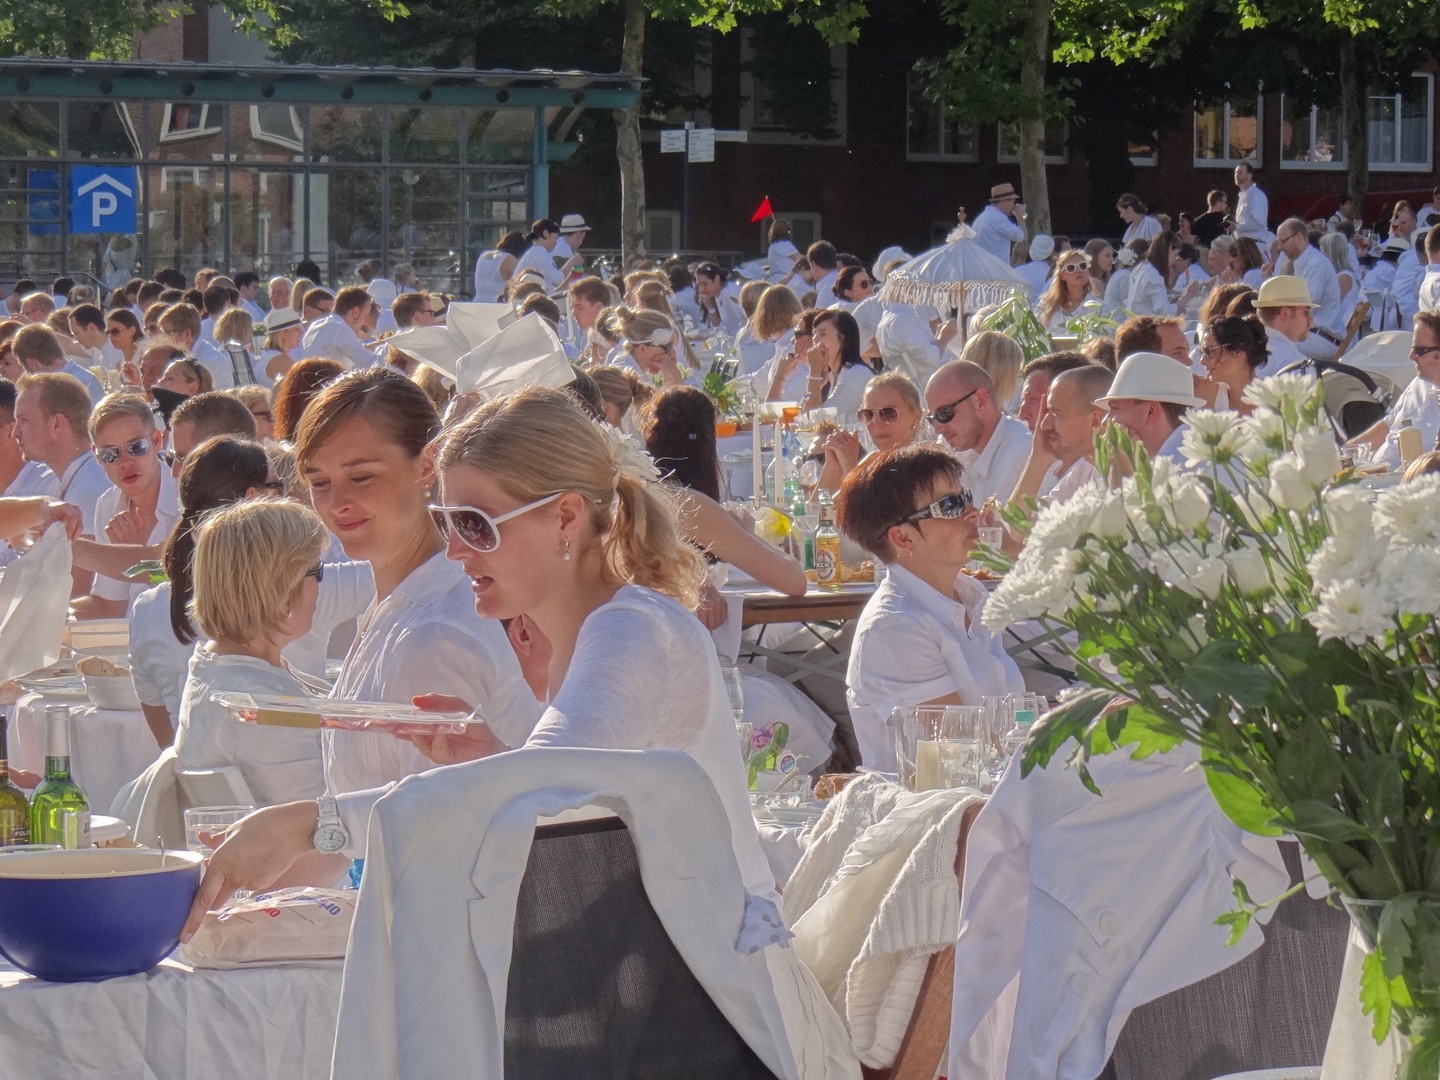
[102, 199]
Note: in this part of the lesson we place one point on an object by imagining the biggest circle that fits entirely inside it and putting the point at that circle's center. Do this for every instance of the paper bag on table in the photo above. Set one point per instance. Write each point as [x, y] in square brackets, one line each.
[287, 925]
[34, 605]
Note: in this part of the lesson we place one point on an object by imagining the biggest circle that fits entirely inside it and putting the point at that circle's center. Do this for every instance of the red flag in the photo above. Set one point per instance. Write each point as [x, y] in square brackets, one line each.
[764, 211]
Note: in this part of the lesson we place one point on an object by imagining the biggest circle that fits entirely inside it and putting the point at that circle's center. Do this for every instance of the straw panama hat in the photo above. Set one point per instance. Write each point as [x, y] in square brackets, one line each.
[1003, 191]
[573, 223]
[1284, 291]
[1148, 376]
[281, 318]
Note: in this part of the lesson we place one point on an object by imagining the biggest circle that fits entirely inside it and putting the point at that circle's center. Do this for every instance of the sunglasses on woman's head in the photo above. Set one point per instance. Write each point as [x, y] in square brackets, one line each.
[474, 526]
[136, 448]
[945, 413]
[887, 415]
[947, 506]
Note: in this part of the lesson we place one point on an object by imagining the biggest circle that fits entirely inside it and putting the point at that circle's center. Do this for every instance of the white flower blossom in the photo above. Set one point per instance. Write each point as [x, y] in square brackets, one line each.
[1029, 591]
[1346, 557]
[1319, 455]
[1353, 613]
[1184, 501]
[1410, 512]
[628, 457]
[1264, 437]
[1288, 487]
[1211, 437]
[1248, 570]
[1197, 574]
[1349, 510]
[1412, 575]
[1061, 525]
[1275, 391]
[1112, 521]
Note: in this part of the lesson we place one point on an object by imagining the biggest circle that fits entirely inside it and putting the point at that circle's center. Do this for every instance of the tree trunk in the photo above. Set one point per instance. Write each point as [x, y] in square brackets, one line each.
[627, 141]
[1034, 51]
[1354, 103]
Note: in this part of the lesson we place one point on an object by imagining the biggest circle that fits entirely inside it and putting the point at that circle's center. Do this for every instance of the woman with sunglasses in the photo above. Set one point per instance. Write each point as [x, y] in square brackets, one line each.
[361, 449]
[919, 640]
[650, 344]
[838, 371]
[1068, 292]
[257, 574]
[559, 519]
[124, 333]
[892, 413]
[1234, 350]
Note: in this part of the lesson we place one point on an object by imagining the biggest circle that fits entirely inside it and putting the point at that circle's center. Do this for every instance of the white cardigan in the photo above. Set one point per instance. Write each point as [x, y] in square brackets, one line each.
[425, 980]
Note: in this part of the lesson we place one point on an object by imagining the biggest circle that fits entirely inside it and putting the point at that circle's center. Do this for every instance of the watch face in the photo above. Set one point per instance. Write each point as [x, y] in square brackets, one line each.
[331, 838]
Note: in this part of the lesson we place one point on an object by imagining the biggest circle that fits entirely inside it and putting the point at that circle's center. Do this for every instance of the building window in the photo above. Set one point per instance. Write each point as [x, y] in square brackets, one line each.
[929, 134]
[808, 105]
[662, 231]
[1402, 127]
[184, 120]
[278, 125]
[1145, 153]
[1057, 134]
[1310, 137]
[1228, 133]
[804, 230]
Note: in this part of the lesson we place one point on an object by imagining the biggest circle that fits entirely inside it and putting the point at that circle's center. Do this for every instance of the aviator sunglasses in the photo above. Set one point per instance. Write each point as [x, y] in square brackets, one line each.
[474, 526]
[136, 448]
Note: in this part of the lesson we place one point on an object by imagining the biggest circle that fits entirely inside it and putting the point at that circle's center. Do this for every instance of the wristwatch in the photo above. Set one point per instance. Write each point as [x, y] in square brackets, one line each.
[331, 835]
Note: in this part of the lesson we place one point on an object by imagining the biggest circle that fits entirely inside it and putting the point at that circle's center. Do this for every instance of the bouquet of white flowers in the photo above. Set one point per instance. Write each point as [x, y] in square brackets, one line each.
[1284, 619]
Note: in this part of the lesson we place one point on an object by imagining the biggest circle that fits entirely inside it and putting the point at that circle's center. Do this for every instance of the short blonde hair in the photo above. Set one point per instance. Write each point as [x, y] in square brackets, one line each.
[237, 324]
[253, 394]
[61, 394]
[250, 559]
[1001, 357]
[116, 406]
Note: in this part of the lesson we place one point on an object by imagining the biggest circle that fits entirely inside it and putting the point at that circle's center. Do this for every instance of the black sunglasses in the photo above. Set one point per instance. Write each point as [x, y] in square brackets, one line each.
[317, 572]
[887, 415]
[945, 413]
[136, 448]
[1422, 350]
[947, 506]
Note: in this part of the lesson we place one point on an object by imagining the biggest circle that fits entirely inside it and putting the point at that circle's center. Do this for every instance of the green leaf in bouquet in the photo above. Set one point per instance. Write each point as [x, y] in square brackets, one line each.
[1243, 803]
[1068, 720]
[1375, 996]
[1148, 731]
[1308, 767]
[1393, 935]
[1313, 818]
[1216, 674]
[1382, 781]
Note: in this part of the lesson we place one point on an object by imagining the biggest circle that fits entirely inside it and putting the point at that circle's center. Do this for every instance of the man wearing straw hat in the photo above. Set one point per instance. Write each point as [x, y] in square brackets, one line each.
[1285, 307]
[1002, 223]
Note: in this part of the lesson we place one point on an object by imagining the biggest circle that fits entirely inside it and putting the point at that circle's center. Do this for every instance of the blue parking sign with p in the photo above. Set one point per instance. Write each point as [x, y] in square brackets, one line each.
[102, 199]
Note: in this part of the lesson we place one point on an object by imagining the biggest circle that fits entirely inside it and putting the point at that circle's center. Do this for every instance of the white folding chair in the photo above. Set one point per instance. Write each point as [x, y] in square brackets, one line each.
[224, 786]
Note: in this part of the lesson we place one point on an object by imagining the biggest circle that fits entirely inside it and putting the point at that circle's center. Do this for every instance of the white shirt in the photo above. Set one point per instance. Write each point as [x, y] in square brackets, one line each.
[279, 764]
[1420, 404]
[825, 289]
[732, 315]
[82, 482]
[913, 645]
[684, 306]
[781, 256]
[209, 356]
[1283, 352]
[907, 343]
[1170, 448]
[1036, 272]
[1319, 274]
[112, 502]
[1072, 480]
[996, 469]
[1117, 291]
[1147, 228]
[425, 637]
[331, 336]
[1429, 288]
[253, 308]
[995, 232]
[1149, 295]
[86, 377]
[1406, 286]
[537, 258]
[32, 479]
[207, 329]
[847, 393]
[868, 313]
[752, 353]
[1252, 215]
[796, 385]
[488, 282]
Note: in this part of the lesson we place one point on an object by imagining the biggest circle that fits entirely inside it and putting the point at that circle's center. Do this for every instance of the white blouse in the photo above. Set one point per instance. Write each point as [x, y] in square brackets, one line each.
[425, 637]
[673, 699]
[913, 645]
[1149, 295]
[847, 393]
[279, 764]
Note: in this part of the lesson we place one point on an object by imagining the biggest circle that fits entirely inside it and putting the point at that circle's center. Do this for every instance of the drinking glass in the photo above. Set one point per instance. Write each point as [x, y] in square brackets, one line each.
[746, 734]
[999, 717]
[990, 535]
[913, 725]
[209, 820]
[962, 747]
[735, 691]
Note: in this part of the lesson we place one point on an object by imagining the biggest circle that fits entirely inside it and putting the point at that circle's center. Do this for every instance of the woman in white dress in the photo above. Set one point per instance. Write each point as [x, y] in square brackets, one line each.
[1117, 289]
[1068, 292]
[558, 519]
[782, 253]
[838, 373]
[257, 574]
[768, 329]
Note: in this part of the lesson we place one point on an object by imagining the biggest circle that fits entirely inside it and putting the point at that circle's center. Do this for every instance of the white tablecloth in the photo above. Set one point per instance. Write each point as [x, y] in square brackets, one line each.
[107, 749]
[173, 1023]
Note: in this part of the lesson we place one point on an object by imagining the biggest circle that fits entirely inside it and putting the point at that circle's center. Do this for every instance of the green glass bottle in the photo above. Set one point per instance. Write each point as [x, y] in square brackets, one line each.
[14, 807]
[59, 811]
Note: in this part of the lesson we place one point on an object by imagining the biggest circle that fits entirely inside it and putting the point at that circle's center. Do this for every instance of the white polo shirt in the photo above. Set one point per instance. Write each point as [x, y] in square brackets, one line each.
[113, 501]
[914, 645]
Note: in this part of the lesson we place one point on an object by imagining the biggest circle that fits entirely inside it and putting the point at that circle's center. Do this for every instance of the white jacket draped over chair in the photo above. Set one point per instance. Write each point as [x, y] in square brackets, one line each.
[425, 984]
[1075, 909]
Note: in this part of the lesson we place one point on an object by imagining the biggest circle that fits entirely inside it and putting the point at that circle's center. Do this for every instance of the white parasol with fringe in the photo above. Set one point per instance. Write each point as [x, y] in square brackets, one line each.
[961, 275]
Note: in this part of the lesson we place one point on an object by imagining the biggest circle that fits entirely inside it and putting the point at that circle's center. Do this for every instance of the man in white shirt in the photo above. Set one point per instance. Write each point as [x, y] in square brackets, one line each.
[341, 335]
[1062, 449]
[573, 232]
[540, 255]
[132, 517]
[992, 447]
[1419, 402]
[1285, 307]
[589, 296]
[1252, 209]
[52, 418]
[247, 284]
[1430, 286]
[826, 268]
[905, 336]
[281, 291]
[1148, 398]
[1345, 212]
[182, 322]
[1409, 274]
[36, 307]
[19, 479]
[995, 229]
[1300, 259]
[38, 350]
[87, 327]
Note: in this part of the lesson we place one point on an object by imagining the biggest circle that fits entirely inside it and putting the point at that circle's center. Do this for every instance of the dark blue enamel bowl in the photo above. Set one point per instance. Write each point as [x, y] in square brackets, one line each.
[95, 913]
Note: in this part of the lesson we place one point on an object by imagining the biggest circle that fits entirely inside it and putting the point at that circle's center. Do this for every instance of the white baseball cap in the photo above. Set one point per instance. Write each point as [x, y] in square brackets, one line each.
[1148, 376]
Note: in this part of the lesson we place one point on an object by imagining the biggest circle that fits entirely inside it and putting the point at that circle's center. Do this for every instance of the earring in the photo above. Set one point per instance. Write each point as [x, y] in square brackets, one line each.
[567, 550]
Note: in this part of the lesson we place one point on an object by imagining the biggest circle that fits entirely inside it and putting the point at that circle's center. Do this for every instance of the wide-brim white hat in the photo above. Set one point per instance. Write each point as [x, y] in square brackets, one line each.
[1148, 376]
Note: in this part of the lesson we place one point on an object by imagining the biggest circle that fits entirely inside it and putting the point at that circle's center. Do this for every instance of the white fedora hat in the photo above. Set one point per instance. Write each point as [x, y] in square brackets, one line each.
[1148, 376]
[573, 223]
[281, 318]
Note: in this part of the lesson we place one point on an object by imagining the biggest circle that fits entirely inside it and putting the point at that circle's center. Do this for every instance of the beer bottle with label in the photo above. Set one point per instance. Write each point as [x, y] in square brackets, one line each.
[827, 547]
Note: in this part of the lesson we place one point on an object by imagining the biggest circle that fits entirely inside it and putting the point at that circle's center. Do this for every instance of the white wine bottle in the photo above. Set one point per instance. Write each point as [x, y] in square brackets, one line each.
[14, 807]
[59, 811]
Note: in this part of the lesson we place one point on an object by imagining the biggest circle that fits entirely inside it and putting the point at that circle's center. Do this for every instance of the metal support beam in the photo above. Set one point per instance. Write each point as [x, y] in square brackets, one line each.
[540, 168]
